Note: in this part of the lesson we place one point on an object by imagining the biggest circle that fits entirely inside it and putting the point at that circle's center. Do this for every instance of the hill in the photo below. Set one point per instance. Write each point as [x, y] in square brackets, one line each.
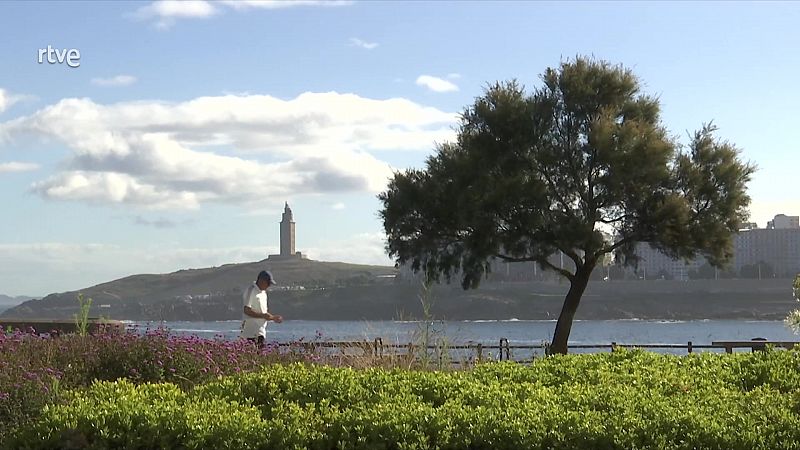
[150, 296]
[16, 300]
[317, 290]
[7, 301]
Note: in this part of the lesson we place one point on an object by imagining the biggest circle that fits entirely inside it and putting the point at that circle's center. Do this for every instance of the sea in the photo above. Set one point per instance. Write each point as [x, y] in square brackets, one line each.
[490, 332]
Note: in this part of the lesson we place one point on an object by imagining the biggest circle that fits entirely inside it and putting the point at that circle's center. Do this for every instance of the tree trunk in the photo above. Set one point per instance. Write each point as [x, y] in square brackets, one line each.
[571, 302]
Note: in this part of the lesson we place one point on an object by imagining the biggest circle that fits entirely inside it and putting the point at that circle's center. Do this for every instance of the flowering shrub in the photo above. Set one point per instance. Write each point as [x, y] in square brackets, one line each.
[36, 370]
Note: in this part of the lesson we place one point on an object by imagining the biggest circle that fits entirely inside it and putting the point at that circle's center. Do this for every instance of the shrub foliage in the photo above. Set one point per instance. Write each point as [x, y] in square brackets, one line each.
[619, 400]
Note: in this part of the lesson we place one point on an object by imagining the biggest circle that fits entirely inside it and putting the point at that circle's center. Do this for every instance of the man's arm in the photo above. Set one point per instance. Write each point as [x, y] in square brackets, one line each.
[266, 316]
[248, 311]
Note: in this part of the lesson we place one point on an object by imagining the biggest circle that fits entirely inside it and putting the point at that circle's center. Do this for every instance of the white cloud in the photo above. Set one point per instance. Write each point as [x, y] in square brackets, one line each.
[179, 8]
[6, 99]
[436, 84]
[17, 167]
[166, 12]
[338, 206]
[454, 76]
[160, 155]
[119, 80]
[363, 44]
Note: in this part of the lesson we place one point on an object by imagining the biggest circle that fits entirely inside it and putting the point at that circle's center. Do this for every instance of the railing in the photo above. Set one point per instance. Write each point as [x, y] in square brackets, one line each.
[754, 344]
[503, 350]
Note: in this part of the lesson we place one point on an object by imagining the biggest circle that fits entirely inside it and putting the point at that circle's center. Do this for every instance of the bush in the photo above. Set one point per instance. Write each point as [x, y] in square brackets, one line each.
[620, 400]
[35, 370]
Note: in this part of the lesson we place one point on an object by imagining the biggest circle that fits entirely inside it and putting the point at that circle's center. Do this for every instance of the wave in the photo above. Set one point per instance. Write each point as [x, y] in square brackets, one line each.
[511, 320]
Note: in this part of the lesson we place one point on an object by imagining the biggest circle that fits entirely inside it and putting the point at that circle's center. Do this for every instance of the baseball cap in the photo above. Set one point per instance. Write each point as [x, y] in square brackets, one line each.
[264, 275]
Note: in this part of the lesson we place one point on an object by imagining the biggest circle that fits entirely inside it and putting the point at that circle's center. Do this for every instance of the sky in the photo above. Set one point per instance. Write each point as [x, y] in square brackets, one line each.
[183, 127]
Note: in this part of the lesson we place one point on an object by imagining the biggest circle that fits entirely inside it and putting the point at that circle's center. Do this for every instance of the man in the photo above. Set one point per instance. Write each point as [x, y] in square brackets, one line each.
[256, 315]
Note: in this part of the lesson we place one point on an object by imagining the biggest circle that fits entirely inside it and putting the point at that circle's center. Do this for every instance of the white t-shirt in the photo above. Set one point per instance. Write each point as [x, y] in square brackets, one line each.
[256, 299]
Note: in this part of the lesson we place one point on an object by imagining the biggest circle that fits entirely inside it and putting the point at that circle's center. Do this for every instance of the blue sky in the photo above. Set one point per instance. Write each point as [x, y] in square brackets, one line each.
[187, 125]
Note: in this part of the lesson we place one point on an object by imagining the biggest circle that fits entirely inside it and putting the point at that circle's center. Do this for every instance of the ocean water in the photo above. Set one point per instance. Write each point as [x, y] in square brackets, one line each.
[489, 332]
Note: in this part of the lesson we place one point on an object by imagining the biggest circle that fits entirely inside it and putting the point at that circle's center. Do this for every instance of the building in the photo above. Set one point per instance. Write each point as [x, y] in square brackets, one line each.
[768, 252]
[782, 222]
[655, 265]
[772, 252]
[287, 237]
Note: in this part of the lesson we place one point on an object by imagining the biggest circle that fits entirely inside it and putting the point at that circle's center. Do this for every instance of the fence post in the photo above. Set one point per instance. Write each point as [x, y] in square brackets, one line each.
[613, 347]
[378, 347]
[480, 352]
[689, 346]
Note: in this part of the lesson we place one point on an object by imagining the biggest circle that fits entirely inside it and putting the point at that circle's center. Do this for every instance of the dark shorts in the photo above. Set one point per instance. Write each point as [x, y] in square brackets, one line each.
[259, 341]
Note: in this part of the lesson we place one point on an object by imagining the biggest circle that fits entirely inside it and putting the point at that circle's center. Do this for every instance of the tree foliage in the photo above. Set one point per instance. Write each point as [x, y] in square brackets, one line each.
[581, 165]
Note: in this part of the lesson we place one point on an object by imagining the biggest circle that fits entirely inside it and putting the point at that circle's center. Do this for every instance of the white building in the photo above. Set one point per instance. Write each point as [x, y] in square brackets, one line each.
[782, 222]
[654, 265]
[769, 252]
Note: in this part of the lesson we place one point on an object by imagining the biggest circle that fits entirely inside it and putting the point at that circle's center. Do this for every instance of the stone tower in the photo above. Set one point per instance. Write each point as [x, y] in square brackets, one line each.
[287, 232]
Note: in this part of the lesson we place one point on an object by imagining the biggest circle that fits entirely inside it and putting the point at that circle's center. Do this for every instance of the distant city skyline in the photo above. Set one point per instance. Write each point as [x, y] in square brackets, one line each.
[148, 137]
[774, 248]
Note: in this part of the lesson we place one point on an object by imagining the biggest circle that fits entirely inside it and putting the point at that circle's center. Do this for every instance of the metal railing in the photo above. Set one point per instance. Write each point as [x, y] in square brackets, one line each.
[505, 351]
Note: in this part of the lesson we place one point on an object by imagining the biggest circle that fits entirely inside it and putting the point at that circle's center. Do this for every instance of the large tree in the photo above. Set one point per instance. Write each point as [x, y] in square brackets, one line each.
[582, 157]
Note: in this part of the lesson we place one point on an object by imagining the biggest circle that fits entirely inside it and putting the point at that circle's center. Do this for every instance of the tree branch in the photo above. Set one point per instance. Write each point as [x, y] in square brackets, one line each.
[572, 255]
[566, 273]
[514, 259]
[615, 246]
[554, 189]
[616, 219]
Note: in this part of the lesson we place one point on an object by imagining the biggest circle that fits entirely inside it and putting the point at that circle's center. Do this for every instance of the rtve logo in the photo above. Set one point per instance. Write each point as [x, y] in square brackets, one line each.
[72, 57]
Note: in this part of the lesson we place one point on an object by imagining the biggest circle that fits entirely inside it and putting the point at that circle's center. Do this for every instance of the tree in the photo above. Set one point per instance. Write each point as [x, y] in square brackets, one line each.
[582, 165]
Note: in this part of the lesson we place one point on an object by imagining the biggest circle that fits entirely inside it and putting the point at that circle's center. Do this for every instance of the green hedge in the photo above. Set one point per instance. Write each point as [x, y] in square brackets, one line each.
[623, 400]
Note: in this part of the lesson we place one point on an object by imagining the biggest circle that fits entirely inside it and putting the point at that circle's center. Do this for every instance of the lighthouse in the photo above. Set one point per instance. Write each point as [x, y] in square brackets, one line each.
[287, 236]
[287, 232]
